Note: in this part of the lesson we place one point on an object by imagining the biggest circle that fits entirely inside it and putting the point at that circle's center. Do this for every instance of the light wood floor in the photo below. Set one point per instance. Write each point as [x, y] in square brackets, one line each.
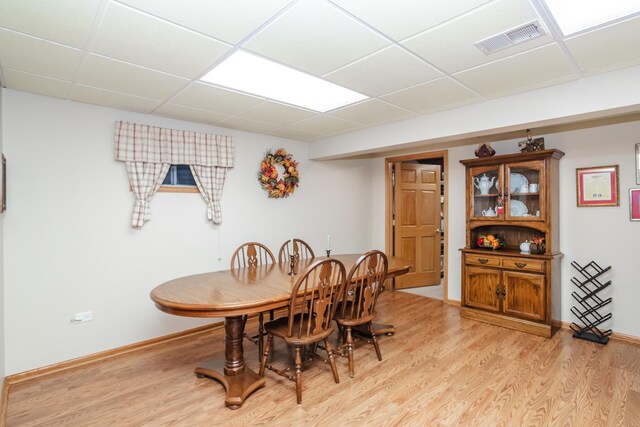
[438, 370]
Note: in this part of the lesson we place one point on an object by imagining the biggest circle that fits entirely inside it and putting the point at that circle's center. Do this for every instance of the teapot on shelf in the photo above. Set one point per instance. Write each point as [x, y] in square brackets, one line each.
[489, 212]
[483, 183]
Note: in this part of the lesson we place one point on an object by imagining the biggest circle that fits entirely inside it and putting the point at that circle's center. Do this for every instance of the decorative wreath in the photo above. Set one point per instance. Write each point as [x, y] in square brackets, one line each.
[275, 186]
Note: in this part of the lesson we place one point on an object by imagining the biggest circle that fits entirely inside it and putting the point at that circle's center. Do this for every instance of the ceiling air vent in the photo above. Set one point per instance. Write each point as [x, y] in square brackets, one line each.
[512, 37]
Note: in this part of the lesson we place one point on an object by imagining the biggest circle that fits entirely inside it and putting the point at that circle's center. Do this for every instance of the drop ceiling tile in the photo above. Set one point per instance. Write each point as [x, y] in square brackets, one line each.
[411, 17]
[451, 48]
[435, 95]
[274, 112]
[323, 125]
[541, 67]
[292, 133]
[92, 95]
[62, 21]
[105, 73]
[226, 20]
[189, 114]
[246, 125]
[212, 98]
[36, 84]
[315, 37]
[608, 48]
[132, 36]
[388, 70]
[372, 112]
[37, 56]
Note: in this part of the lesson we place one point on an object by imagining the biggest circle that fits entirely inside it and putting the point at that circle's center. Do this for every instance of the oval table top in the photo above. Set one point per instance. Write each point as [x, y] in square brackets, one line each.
[242, 291]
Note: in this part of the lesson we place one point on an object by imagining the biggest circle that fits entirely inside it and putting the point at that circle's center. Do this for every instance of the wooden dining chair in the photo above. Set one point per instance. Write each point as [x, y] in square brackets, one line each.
[358, 303]
[315, 292]
[251, 255]
[301, 250]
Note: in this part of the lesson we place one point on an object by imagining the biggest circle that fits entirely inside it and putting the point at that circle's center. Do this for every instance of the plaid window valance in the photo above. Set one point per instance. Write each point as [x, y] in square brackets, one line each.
[149, 151]
[150, 144]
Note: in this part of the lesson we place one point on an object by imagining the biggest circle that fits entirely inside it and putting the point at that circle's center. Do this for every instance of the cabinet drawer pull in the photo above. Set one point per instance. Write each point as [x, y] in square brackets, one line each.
[483, 260]
[521, 264]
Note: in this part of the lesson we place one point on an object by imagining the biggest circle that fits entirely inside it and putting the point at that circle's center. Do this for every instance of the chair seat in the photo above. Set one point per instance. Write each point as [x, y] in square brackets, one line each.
[348, 319]
[280, 328]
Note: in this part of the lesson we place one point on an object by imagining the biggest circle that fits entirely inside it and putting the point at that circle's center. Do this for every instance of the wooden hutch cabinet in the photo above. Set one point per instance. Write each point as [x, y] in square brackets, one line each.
[516, 197]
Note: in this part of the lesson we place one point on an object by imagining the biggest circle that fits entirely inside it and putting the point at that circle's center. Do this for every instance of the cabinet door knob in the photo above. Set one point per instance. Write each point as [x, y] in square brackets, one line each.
[521, 264]
[483, 260]
[504, 290]
[498, 290]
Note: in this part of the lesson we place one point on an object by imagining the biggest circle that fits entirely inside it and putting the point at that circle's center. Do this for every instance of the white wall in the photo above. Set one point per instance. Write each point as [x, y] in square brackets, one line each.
[69, 247]
[603, 234]
[2, 355]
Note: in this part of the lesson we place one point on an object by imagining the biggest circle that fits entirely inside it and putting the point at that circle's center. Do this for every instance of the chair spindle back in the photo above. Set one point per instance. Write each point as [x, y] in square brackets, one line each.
[317, 292]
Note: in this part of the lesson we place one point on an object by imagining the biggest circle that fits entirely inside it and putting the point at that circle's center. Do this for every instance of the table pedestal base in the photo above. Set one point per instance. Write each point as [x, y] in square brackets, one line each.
[238, 386]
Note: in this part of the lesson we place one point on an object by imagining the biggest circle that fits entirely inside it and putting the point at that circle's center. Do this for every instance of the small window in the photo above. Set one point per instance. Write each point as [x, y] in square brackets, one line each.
[179, 179]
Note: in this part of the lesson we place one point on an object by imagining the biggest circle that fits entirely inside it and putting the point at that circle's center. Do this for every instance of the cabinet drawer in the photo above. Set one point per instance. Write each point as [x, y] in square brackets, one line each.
[492, 261]
[523, 264]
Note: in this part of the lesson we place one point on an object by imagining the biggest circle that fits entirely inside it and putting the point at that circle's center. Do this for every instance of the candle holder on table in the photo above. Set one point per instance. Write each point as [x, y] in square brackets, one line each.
[292, 262]
[328, 253]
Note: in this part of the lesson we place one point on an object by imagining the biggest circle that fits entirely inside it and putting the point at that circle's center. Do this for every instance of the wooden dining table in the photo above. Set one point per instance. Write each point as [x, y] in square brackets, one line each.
[232, 294]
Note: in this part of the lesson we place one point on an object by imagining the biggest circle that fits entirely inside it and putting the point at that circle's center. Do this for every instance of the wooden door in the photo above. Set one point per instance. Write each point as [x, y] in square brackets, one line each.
[417, 222]
[524, 295]
[482, 288]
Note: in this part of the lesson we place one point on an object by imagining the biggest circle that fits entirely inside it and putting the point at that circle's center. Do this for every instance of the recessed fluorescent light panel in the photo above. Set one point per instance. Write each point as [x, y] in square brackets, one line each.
[577, 15]
[250, 73]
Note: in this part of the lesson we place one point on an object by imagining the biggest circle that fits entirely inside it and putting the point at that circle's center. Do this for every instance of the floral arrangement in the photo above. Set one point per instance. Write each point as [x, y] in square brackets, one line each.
[537, 245]
[538, 240]
[268, 178]
[493, 241]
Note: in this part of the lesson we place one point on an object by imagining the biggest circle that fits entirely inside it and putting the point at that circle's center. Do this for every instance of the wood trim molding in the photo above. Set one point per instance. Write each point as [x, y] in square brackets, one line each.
[629, 339]
[4, 403]
[416, 156]
[107, 354]
[176, 189]
[388, 196]
[453, 302]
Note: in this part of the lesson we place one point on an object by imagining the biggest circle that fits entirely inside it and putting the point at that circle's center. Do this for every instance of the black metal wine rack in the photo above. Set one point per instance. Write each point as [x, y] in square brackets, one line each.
[590, 303]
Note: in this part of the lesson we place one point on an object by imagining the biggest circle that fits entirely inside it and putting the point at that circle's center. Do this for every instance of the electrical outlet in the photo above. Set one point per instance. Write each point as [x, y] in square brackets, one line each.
[82, 317]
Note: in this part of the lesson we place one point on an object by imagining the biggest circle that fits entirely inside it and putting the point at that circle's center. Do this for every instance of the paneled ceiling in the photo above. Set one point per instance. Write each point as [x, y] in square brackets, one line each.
[411, 57]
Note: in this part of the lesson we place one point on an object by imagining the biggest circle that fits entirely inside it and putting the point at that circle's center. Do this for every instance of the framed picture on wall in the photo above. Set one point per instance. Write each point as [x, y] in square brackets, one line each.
[598, 186]
[634, 204]
[3, 184]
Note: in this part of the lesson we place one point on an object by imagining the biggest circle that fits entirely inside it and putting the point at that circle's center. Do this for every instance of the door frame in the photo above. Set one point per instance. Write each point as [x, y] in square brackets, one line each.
[388, 198]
